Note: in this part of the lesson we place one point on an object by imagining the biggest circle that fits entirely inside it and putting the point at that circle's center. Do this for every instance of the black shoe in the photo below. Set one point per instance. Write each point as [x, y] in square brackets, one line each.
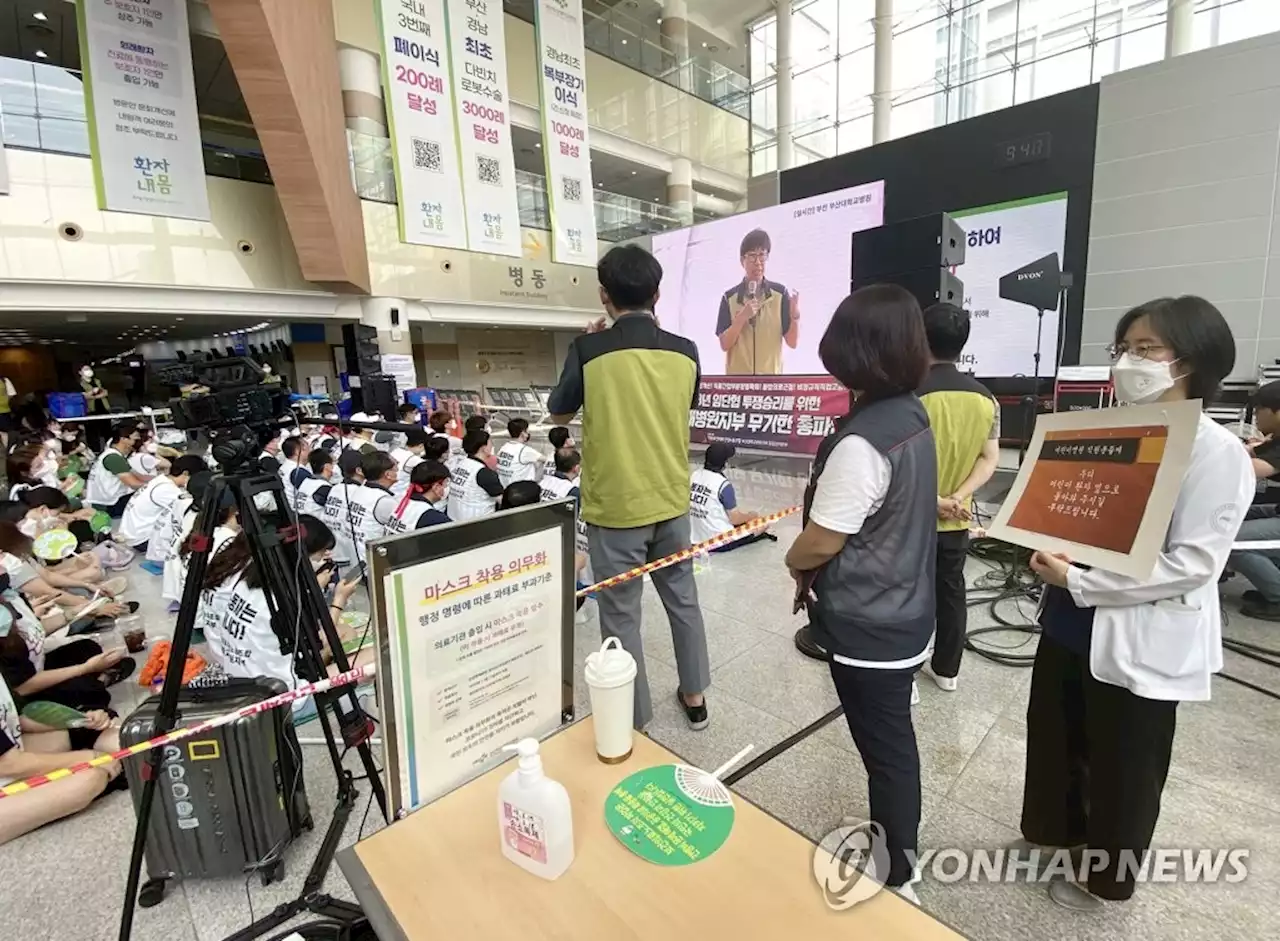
[1253, 596]
[1262, 610]
[121, 671]
[696, 716]
[770, 536]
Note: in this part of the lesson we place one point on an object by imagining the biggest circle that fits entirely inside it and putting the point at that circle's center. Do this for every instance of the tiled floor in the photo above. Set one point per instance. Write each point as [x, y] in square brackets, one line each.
[66, 881]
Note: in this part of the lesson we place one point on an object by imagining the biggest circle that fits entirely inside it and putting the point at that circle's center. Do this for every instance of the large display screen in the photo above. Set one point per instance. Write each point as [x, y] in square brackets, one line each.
[1002, 238]
[756, 291]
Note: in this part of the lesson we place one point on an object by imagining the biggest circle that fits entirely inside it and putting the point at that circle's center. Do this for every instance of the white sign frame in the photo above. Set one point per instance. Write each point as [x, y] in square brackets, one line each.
[478, 63]
[1181, 418]
[418, 93]
[423, 760]
[566, 139]
[139, 84]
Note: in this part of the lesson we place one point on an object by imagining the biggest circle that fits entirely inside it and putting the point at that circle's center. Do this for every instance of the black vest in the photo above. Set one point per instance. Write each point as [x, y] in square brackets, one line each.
[875, 599]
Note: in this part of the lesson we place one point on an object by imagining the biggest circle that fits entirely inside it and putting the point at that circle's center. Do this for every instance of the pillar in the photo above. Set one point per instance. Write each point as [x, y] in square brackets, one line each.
[390, 317]
[680, 189]
[882, 89]
[1177, 36]
[360, 76]
[675, 40]
[785, 118]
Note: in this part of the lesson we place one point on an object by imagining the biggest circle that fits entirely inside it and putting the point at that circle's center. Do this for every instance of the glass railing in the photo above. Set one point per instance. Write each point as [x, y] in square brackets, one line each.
[642, 46]
[618, 217]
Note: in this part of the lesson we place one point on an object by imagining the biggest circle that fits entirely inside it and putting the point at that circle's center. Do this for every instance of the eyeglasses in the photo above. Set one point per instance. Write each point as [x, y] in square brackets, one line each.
[756, 256]
[1141, 351]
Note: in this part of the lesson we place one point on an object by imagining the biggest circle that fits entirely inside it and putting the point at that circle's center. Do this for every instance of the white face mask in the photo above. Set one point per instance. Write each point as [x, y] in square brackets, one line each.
[1139, 381]
[29, 528]
[150, 447]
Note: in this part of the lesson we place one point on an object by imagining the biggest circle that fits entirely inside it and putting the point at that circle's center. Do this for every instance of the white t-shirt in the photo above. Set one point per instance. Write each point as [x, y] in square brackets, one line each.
[144, 464]
[852, 487]
[708, 510]
[145, 510]
[166, 537]
[238, 631]
[406, 461]
[518, 461]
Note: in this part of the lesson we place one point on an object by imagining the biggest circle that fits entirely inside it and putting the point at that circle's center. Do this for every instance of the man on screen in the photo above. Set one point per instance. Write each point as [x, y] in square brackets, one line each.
[756, 315]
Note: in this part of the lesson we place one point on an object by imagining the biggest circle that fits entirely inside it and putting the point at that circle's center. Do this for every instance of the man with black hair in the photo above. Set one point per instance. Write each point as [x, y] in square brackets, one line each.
[757, 315]
[428, 486]
[111, 480]
[374, 503]
[1262, 566]
[408, 455]
[517, 460]
[474, 486]
[339, 507]
[475, 423]
[442, 425]
[149, 512]
[295, 450]
[713, 503]
[312, 484]
[562, 484]
[966, 432]
[635, 384]
[520, 493]
[559, 437]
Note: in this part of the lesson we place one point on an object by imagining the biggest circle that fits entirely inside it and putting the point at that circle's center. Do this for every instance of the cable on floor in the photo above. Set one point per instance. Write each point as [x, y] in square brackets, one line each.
[1009, 579]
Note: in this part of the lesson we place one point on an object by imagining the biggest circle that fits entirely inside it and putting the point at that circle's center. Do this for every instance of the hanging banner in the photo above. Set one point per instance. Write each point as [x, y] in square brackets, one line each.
[791, 414]
[4, 167]
[144, 130]
[562, 93]
[478, 61]
[419, 100]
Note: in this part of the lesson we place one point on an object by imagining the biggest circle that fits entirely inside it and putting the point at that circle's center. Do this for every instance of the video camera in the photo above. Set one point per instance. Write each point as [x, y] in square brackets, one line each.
[236, 396]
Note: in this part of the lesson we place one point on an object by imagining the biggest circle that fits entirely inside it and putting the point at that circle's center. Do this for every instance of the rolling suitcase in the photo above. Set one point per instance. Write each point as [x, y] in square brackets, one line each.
[227, 801]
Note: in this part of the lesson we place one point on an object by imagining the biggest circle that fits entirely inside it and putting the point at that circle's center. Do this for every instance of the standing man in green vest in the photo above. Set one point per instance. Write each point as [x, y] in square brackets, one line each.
[757, 315]
[635, 384]
[965, 418]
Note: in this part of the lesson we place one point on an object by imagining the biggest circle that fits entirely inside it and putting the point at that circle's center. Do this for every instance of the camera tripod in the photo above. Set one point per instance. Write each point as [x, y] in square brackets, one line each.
[300, 619]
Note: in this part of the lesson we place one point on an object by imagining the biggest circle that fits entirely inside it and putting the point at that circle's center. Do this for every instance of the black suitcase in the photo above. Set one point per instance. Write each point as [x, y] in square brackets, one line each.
[228, 801]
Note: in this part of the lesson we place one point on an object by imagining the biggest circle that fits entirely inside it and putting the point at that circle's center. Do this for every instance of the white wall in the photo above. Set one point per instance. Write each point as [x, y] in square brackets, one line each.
[1185, 194]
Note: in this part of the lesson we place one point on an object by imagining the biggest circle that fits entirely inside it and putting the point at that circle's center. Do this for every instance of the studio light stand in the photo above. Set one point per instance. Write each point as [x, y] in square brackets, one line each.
[300, 619]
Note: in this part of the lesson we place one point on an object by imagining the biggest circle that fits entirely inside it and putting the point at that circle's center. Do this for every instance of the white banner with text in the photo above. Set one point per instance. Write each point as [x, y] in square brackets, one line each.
[418, 95]
[144, 128]
[562, 87]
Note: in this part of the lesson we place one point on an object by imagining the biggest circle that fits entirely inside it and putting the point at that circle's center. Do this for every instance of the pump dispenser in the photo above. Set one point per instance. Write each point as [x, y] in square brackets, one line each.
[535, 822]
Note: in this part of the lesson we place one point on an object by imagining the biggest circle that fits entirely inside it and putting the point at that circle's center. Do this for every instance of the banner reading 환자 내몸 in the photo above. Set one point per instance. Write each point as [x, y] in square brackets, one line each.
[478, 61]
[562, 88]
[144, 128]
[424, 140]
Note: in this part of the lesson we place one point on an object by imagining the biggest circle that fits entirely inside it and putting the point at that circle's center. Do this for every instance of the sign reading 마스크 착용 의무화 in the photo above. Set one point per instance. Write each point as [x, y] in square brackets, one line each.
[144, 128]
[1100, 485]
[476, 639]
[418, 93]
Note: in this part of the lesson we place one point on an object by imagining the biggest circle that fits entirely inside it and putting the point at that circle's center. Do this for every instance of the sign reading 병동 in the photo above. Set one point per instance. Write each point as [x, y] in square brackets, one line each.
[424, 139]
[144, 130]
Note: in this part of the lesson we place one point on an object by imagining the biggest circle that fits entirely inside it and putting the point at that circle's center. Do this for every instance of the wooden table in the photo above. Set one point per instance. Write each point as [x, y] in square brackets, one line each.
[439, 873]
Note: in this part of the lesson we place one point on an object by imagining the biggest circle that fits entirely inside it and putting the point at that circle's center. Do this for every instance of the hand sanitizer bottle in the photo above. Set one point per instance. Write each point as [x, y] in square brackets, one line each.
[534, 820]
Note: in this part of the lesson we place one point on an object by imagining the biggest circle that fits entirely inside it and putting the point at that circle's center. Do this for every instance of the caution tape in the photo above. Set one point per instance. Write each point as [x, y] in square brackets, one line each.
[301, 692]
[675, 558]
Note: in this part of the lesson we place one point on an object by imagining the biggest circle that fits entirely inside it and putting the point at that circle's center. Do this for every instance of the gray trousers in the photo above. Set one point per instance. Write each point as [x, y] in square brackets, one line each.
[1261, 567]
[614, 551]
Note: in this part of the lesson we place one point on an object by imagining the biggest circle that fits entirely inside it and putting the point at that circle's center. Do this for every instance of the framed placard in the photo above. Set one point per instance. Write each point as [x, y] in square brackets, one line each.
[1100, 485]
[474, 630]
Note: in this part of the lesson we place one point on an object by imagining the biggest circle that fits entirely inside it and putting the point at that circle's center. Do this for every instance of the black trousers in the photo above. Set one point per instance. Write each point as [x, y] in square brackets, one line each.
[745, 541]
[877, 706]
[114, 510]
[1097, 759]
[80, 692]
[952, 611]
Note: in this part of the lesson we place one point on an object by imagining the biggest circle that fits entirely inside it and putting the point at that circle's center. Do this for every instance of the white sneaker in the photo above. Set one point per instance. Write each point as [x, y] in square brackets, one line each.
[908, 892]
[945, 683]
[915, 694]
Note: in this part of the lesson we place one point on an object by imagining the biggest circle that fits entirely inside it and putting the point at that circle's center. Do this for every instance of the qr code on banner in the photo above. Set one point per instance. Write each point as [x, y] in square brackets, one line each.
[572, 189]
[488, 170]
[426, 155]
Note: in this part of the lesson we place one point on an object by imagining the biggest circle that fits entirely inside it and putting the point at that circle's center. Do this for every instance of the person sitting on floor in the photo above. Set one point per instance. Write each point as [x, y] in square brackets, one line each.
[475, 487]
[713, 504]
[562, 484]
[520, 493]
[560, 438]
[408, 454]
[150, 510]
[28, 748]
[517, 459]
[177, 560]
[418, 508]
[112, 481]
[312, 486]
[1261, 522]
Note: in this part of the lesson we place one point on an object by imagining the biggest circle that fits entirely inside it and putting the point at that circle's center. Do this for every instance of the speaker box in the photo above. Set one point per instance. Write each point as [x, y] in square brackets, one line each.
[376, 394]
[360, 347]
[927, 285]
[935, 241]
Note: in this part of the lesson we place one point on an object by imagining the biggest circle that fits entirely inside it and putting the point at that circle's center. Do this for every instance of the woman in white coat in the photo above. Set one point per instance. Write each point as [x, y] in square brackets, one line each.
[1117, 654]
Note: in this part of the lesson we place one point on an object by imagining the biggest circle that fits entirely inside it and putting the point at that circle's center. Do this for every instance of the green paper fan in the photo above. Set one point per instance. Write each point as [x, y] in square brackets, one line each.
[101, 522]
[54, 715]
[55, 544]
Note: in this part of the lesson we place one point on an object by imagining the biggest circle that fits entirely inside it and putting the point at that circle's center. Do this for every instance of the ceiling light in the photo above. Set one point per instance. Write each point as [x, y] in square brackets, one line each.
[704, 45]
[538, 145]
[659, 21]
[633, 172]
[41, 54]
[624, 42]
[40, 16]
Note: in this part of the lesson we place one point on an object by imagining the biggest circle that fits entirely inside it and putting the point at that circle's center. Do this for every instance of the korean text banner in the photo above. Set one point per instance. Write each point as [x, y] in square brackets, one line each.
[1000, 239]
[791, 414]
[562, 89]
[424, 140]
[144, 130]
[756, 291]
[478, 61]
[4, 167]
